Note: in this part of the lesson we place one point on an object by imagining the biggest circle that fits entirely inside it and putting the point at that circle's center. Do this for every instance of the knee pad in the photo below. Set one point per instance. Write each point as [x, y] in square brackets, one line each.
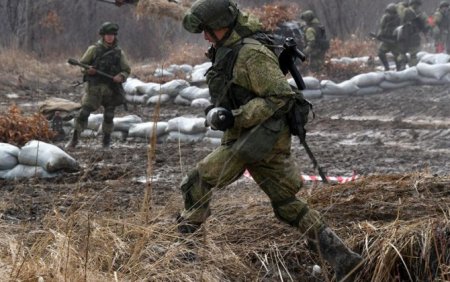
[84, 114]
[291, 210]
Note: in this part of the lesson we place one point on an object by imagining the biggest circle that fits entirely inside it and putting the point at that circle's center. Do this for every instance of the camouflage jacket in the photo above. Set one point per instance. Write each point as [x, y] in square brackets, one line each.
[110, 60]
[441, 25]
[255, 70]
[311, 36]
[388, 23]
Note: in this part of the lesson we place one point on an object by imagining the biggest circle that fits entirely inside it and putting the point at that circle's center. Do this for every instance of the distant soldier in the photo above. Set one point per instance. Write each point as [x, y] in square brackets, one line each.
[315, 40]
[401, 7]
[415, 22]
[107, 57]
[388, 23]
[440, 28]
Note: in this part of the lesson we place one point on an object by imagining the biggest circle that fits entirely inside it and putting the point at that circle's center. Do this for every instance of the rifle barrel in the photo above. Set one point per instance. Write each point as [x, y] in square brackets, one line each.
[77, 63]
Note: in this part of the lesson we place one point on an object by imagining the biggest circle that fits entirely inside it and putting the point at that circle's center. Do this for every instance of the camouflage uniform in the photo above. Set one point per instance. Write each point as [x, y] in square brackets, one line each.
[102, 91]
[414, 22]
[388, 23]
[246, 79]
[314, 48]
[401, 7]
[440, 29]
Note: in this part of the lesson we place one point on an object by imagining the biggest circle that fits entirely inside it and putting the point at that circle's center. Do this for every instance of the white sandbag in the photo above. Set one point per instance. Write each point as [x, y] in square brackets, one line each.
[433, 71]
[344, 88]
[388, 85]
[180, 137]
[213, 133]
[369, 90]
[131, 84]
[159, 72]
[400, 76]
[194, 92]
[368, 79]
[150, 88]
[310, 82]
[434, 59]
[24, 171]
[89, 133]
[182, 101]
[145, 129]
[180, 68]
[174, 87]
[94, 122]
[312, 93]
[186, 124]
[47, 156]
[348, 60]
[136, 99]
[431, 81]
[200, 103]
[161, 99]
[198, 73]
[8, 156]
[213, 141]
[124, 123]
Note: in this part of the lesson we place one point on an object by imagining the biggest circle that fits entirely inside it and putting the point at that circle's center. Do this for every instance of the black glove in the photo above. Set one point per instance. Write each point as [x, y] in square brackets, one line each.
[220, 119]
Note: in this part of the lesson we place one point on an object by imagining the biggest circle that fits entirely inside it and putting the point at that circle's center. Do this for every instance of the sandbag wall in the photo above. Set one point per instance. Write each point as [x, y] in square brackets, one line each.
[34, 159]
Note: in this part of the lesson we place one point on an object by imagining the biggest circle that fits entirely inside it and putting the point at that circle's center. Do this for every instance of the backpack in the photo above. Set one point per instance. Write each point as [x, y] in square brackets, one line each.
[322, 41]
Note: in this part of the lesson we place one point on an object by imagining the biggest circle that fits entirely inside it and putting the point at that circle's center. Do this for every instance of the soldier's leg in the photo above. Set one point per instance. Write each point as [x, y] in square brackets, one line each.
[81, 122]
[218, 169]
[382, 50]
[108, 125]
[281, 182]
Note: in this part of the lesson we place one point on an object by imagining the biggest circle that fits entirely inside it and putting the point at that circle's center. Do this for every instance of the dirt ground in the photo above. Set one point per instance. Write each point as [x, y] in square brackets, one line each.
[406, 131]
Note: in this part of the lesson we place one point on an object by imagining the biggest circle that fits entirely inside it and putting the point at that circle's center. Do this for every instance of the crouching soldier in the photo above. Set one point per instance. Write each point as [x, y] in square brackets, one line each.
[105, 56]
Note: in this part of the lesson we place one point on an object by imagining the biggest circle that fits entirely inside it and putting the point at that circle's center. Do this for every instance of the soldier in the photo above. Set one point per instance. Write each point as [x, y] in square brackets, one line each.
[389, 22]
[251, 98]
[105, 56]
[316, 43]
[414, 23]
[401, 7]
[440, 28]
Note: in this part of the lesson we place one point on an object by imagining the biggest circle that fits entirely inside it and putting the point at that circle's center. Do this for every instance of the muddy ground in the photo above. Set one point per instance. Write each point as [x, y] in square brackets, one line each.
[399, 132]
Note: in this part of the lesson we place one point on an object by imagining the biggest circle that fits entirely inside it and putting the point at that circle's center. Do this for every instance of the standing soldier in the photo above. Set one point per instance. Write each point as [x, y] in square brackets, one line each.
[251, 98]
[107, 57]
[315, 39]
[440, 28]
[401, 7]
[415, 22]
[389, 22]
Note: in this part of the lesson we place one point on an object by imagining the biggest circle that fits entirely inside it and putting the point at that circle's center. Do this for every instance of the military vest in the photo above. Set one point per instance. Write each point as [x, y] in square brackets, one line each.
[106, 60]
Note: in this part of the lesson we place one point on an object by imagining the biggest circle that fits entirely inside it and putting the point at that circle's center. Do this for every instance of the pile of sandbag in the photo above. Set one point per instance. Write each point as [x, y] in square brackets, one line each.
[34, 159]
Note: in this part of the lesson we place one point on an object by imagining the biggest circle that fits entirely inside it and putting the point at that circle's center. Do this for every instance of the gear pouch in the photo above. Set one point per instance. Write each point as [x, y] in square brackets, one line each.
[257, 143]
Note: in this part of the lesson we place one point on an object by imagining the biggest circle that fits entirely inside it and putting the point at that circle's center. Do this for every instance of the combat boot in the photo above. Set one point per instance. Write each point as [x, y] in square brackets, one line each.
[74, 141]
[106, 142]
[344, 261]
[384, 61]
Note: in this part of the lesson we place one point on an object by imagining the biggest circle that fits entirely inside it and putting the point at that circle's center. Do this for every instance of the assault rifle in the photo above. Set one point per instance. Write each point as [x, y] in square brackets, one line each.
[382, 38]
[74, 62]
[297, 116]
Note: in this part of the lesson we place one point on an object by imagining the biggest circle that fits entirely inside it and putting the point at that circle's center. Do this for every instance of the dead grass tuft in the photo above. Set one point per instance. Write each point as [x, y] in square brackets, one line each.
[162, 8]
[271, 15]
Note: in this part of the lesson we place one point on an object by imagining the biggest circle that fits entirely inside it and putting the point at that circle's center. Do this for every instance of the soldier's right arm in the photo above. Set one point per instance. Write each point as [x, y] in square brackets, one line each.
[88, 56]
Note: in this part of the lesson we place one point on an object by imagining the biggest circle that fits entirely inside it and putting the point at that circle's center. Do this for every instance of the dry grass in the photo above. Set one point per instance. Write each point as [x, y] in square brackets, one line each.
[162, 8]
[353, 47]
[379, 216]
[271, 15]
[17, 129]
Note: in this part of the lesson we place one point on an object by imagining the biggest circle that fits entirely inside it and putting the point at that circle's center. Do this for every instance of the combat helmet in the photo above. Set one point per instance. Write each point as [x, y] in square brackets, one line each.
[415, 2]
[307, 16]
[210, 15]
[391, 8]
[108, 28]
[444, 4]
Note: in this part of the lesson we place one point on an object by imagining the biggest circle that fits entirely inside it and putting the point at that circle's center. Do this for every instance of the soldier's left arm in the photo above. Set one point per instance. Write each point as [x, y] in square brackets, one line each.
[258, 71]
[124, 66]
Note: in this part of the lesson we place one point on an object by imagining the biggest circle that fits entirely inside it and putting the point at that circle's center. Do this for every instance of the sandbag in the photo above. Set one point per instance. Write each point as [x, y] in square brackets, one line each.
[8, 156]
[180, 137]
[213, 133]
[344, 88]
[194, 92]
[145, 129]
[47, 156]
[434, 59]
[213, 141]
[431, 81]
[159, 72]
[131, 84]
[66, 107]
[433, 71]
[25, 171]
[200, 103]
[368, 79]
[182, 101]
[312, 93]
[400, 76]
[185, 124]
[369, 90]
[173, 87]
[198, 73]
[158, 99]
[149, 88]
[310, 82]
[177, 68]
[136, 99]
[124, 123]
[387, 85]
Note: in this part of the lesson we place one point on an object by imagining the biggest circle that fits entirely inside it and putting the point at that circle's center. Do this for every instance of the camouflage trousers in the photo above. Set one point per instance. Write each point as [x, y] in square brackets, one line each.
[399, 58]
[276, 175]
[98, 95]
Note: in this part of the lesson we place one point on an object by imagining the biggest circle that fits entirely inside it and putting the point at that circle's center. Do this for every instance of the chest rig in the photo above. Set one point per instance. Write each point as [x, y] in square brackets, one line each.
[106, 60]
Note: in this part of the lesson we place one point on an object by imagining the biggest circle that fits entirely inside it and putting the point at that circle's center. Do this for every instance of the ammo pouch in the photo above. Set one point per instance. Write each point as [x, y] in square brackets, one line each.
[257, 143]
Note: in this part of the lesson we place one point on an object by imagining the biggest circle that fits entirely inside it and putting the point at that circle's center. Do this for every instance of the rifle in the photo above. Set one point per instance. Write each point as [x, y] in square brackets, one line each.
[382, 38]
[74, 62]
[287, 64]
